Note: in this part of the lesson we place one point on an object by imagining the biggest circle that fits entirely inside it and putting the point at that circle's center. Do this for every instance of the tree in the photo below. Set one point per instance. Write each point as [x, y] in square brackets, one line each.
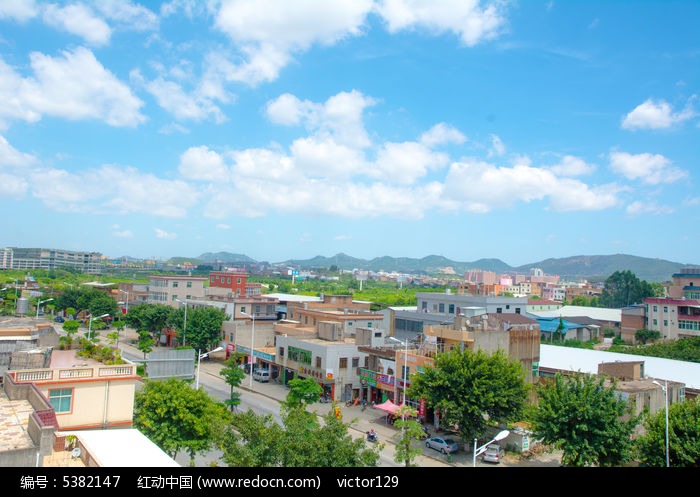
[177, 417]
[683, 435]
[203, 326]
[410, 430]
[149, 317]
[146, 342]
[645, 335]
[586, 419]
[301, 441]
[623, 288]
[233, 376]
[472, 389]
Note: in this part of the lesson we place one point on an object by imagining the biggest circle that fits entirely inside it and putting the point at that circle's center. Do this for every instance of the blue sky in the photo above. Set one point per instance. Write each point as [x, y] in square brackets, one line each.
[289, 129]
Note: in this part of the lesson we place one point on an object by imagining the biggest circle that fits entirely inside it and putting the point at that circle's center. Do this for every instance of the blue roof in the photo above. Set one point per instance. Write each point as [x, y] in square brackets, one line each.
[550, 325]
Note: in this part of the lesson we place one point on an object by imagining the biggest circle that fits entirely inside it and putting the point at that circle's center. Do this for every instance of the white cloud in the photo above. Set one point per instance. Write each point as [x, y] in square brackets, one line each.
[19, 10]
[10, 156]
[268, 32]
[123, 234]
[405, 163]
[440, 134]
[80, 20]
[656, 115]
[481, 187]
[497, 147]
[638, 207]
[127, 14]
[652, 169]
[173, 98]
[75, 86]
[164, 235]
[572, 166]
[12, 186]
[342, 237]
[223, 226]
[465, 18]
[202, 164]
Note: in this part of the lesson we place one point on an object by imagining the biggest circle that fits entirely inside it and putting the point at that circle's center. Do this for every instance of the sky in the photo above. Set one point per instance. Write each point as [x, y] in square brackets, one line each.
[518, 130]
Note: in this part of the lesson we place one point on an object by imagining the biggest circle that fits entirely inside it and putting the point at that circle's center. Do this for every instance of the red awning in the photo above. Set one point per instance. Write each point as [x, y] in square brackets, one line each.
[388, 407]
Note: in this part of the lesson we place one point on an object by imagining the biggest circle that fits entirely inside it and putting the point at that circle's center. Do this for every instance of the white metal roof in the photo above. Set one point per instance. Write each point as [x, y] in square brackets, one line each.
[598, 313]
[586, 361]
[126, 447]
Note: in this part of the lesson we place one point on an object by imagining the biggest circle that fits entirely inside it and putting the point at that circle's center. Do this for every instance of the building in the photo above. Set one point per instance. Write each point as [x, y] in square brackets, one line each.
[686, 283]
[45, 258]
[673, 317]
[632, 319]
[232, 283]
[169, 289]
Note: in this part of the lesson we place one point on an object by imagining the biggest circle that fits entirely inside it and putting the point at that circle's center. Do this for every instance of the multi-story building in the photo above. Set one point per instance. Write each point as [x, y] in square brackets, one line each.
[232, 283]
[45, 258]
[632, 319]
[673, 317]
[171, 289]
[686, 283]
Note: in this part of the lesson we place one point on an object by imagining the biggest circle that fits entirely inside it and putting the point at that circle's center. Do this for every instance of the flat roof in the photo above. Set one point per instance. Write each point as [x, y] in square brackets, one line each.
[123, 447]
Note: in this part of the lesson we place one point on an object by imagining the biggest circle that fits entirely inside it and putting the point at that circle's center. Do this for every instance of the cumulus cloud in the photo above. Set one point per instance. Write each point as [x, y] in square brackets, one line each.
[467, 19]
[440, 134]
[19, 10]
[497, 147]
[652, 169]
[80, 20]
[202, 164]
[269, 32]
[10, 156]
[73, 86]
[164, 235]
[637, 207]
[572, 166]
[653, 114]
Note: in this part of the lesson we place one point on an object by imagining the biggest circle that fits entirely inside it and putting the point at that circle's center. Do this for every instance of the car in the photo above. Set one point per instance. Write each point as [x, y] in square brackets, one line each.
[59, 319]
[444, 445]
[494, 453]
[261, 375]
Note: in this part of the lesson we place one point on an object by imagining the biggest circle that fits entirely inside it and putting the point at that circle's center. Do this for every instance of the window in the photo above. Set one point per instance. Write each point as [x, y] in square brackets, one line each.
[499, 310]
[507, 306]
[175, 284]
[318, 362]
[239, 281]
[441, 307]
[656, 308]
[656, 321]
[281, 351]
[665, 322]
[451, 309]
[61, 400]
[189, 284]
[369, 324]
[228, 280]
[343, 363]
[355, 362]
[665, 308]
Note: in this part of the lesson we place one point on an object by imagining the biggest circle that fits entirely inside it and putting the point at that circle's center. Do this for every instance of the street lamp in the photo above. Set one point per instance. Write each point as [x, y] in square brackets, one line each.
[664, 387]
[127, 300]
[405, 363]
[90, 323]
[184, 326]
[252, 345]
[199, 358]
[480, 450]
[38, 305]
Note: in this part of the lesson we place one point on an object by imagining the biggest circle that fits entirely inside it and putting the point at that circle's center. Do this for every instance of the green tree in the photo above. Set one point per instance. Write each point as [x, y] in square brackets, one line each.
[410, 430]
[645, 335]
[145, 343]
[149, 317]
[203, 326]
[683, 436]
[586, 419]
[177, 417]
[233, 375]
[623, 288]
[472, 389]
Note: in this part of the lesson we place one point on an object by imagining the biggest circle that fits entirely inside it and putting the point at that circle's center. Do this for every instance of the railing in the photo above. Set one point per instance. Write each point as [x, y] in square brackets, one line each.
[44, 375]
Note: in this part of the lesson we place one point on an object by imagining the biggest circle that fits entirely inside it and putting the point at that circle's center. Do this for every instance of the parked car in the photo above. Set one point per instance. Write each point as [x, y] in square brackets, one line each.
[444, 445]
[262, 375]
[59, 319]
[493, 453]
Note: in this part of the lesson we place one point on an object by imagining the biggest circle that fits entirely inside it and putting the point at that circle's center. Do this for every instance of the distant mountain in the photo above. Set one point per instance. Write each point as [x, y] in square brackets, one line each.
[591, 267]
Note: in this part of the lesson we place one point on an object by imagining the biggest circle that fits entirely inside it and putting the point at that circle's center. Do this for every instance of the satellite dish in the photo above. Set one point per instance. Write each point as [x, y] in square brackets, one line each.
[76, 453]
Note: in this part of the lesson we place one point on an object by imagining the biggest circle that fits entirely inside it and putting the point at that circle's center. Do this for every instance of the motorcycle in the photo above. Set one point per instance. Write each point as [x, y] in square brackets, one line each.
[371, 437]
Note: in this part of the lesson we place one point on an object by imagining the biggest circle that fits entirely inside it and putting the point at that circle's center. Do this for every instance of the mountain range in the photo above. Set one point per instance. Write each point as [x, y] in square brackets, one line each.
[590, 267]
